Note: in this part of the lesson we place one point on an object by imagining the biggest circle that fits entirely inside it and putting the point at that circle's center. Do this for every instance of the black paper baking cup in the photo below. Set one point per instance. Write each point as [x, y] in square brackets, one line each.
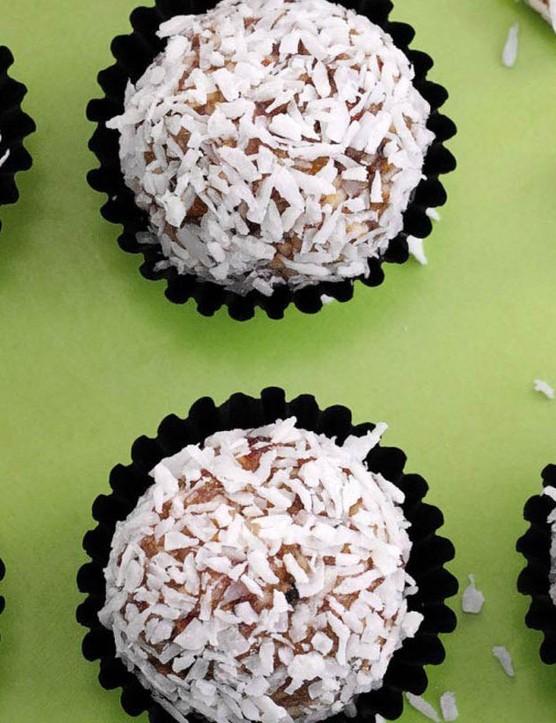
[2, 574]
[533, 580]
[15, 126]
[426, 564]
[134, 53]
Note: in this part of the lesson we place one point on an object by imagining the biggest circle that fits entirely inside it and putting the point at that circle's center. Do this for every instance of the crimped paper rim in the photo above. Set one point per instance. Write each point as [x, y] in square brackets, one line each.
[135, 52]
[15, 126]
[426, 564]
[533, 580]
[2, 575]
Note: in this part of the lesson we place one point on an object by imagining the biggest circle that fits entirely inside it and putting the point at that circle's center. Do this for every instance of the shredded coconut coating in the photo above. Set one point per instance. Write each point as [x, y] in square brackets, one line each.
[274, 142]
[262, 577]
[547, 8]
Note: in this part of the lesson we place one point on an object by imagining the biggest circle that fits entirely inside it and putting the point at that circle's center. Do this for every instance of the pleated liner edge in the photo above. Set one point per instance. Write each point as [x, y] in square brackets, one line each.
[429, 553]
[15, 126]
[533, 580]
[2, 601]
[135, 52]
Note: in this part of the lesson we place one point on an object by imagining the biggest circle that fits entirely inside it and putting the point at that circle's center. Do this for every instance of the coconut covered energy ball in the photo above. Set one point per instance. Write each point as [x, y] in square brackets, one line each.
[262, 577]
[273, 142]
[547, 8]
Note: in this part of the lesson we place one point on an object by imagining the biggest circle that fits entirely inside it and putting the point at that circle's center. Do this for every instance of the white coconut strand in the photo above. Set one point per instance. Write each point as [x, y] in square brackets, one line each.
[472, 600]
[547, 8]
[5, 155]
[423, 706]
[448, 706]
[200, 574]
[503, 656]
[543, 387]
[260, 95]
[511, 47]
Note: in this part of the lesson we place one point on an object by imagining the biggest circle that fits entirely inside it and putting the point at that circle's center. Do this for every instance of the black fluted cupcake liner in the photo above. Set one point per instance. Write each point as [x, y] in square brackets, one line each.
[15, 126]
[135, 52]
[429, 553]
[534, 578]
[2, 574]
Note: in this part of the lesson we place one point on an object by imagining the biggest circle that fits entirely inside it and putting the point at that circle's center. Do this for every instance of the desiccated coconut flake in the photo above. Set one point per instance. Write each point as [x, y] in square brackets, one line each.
[320, 80]
[376, 189]
[472, 600]
[505, 659]
[421, 705]
[547, 8]
[258, 562]
[433, 213]
[550, 491]
[194, 636]
[511, 47]
[417, 249]
[283, 125]
[357, 173]
[6, 154]
[448, 706]
[293, 567]
[544, 388]
[338, 122]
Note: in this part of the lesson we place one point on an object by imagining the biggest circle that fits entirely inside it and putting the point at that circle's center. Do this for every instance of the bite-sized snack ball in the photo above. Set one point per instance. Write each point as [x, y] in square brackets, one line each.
[262, 577]
[547, 8]
[274, 142]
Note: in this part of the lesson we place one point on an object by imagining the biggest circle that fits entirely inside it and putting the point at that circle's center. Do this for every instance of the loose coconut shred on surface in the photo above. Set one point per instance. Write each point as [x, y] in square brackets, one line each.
[505, 659]
[448, 706]
[421, 705]
[511, 47]
[544, 388]
[472, 600]
[417, 249]
[262, 577]
[274, 142]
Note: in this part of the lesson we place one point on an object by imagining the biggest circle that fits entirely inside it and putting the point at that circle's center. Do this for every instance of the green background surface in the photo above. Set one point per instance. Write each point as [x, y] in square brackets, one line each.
[92, 355]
